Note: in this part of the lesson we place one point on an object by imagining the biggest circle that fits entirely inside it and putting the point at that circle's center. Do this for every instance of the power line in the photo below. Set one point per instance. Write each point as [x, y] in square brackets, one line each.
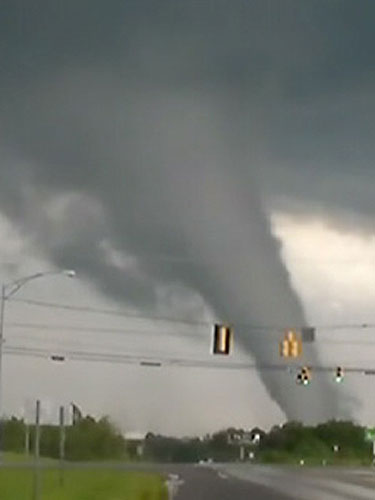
[124, 332]
[93, 329]
[115, 358]
[99, 351]
[166, 319]
[126, 358]
[57, 344]
[111, 312]
[346, 342]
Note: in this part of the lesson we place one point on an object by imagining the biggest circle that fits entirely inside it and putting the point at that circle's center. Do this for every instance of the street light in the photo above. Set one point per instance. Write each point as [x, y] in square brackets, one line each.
[7, 291]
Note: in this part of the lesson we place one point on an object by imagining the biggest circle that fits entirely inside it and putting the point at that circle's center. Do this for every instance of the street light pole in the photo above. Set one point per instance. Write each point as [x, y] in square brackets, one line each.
[7, 291]
[2, 310]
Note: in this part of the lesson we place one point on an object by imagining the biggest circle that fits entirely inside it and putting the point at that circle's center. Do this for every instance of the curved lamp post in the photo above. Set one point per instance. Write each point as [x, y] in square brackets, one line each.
[7, 291]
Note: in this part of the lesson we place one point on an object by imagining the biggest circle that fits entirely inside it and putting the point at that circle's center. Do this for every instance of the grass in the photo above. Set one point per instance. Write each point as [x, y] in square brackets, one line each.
[17, 484]
[9, 457]
[312, 459]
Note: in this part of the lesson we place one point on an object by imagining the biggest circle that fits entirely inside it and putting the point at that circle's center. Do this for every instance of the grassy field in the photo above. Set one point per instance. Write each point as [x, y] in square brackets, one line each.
[329, 458]
[18, 457]
[82, 485]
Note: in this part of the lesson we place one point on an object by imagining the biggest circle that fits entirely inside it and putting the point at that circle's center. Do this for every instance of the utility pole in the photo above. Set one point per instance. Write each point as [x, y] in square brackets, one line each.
[36, 485]
[2, 309]
[62, 445]
[27, 440]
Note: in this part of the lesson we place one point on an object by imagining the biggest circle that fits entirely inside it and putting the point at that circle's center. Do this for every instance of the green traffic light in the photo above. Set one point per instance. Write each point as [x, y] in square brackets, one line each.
[339, 375]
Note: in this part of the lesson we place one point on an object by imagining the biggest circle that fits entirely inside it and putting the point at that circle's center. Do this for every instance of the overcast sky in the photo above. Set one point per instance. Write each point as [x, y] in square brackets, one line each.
[199, 160]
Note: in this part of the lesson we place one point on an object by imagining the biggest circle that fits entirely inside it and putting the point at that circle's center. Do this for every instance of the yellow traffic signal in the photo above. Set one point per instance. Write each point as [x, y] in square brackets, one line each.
[284, 348]
[296, 348]
[291, 345]
[291, 335]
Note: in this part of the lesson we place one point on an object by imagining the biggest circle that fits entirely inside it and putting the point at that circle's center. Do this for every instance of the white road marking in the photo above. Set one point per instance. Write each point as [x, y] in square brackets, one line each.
[173, 483]
[222, 475]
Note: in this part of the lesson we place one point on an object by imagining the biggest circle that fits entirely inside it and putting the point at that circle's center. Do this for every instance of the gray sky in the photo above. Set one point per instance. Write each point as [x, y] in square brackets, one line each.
[154, 147]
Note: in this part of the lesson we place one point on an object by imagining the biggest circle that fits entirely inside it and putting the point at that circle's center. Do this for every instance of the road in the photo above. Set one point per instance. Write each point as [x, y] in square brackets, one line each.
[208, 484]
[245, 481]
[250, 481]
[300, 483]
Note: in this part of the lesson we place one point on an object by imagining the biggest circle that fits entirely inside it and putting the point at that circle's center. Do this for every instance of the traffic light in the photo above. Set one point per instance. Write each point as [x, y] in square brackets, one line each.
[296, 348]
[291, 345]
[284, 348]
[339, 374]
[299, 378]
[304, 376]
[222, 339]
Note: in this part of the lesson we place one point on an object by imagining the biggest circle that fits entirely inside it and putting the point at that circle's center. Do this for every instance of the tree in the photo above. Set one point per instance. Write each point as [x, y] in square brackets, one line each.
[13, 434]
[88, 440]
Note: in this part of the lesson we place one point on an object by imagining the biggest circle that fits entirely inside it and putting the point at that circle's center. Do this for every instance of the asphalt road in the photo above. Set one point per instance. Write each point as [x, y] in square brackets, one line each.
[208, 484]
[250, 481]
[246, 481]
[302, 483]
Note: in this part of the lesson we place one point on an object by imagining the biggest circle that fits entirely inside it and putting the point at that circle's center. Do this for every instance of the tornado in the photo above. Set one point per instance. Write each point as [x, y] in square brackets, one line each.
[148, 142]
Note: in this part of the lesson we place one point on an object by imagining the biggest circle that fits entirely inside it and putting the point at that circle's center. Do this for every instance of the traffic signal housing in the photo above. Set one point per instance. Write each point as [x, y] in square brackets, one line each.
[304, 376]
[308, 334]
[222, 339]
[339, 375]
[291, 345]
[284, 348]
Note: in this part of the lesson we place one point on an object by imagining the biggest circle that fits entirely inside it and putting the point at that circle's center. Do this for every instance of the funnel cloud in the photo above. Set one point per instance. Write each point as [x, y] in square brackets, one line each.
[139, 149]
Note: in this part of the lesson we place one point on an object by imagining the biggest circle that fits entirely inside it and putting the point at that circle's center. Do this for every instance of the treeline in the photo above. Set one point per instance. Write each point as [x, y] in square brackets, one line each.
[88, 439]
[167, 449]
[218, 447]
[332, 442]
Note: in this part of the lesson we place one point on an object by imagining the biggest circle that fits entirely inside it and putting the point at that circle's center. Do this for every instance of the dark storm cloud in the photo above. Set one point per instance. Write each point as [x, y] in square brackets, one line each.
[302, 75]
[164, 116]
